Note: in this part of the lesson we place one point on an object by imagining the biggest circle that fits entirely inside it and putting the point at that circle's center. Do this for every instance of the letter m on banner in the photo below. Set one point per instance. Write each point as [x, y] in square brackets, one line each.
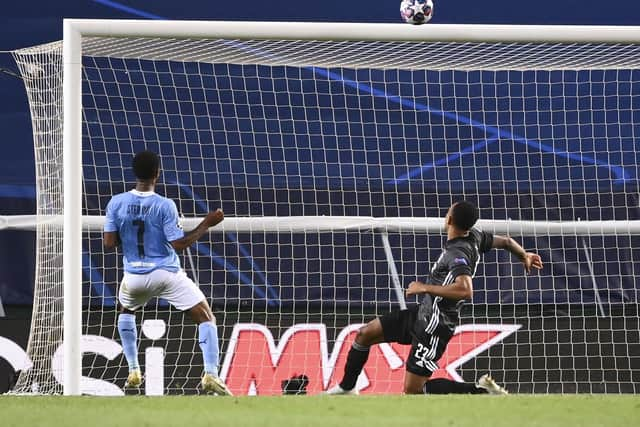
[254, 364]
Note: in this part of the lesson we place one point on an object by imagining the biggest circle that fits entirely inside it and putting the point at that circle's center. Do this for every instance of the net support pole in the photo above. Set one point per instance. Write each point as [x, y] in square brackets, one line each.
[72, 206]
[191, 263]
[594, 282]
[193, 267]
[397, 286]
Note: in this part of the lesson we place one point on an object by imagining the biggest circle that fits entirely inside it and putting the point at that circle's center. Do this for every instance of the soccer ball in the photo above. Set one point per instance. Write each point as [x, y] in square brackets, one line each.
[416, 11]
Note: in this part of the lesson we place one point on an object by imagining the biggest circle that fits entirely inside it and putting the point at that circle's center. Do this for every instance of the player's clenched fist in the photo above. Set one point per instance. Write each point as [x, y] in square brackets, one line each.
[214, 218]
[532, 260]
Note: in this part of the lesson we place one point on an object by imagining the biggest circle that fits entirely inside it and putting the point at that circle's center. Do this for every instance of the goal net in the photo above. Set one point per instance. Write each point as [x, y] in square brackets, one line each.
[335, 162]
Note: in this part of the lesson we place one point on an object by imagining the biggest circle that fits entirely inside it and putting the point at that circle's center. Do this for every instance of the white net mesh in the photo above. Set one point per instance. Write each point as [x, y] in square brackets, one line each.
[361, 129]
[42, 75]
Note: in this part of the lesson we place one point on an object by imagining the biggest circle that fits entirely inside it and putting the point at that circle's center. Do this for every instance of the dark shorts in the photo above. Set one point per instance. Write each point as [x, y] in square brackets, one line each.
[428, 337]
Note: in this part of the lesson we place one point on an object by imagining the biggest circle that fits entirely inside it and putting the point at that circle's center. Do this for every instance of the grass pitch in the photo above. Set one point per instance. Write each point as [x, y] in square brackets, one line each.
[324, 411]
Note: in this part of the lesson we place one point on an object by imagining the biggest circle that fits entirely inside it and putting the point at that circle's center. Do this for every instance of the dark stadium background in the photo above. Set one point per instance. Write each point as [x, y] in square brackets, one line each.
[26, 23]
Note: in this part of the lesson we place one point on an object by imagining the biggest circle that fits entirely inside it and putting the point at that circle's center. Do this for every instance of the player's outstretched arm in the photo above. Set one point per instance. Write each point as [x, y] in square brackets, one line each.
[461, 288]
[529, 259]
[212, 219]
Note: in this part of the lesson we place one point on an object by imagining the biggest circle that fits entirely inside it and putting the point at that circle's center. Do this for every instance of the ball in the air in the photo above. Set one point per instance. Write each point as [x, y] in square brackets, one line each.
[416, 11]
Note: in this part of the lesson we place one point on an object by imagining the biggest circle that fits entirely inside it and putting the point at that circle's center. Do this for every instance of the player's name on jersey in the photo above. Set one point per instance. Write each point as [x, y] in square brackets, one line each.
[138, 210]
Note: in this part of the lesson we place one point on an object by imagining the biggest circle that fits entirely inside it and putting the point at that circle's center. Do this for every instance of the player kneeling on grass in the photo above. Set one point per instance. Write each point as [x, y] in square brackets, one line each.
[147, 227]
[429, 326]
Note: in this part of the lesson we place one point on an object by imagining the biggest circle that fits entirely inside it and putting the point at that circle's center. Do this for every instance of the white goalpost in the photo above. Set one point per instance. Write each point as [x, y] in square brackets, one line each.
[334, 150]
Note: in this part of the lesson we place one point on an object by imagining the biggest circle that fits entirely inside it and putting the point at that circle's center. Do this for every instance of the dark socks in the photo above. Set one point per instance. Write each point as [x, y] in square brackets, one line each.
[356, 359]
[444, 386]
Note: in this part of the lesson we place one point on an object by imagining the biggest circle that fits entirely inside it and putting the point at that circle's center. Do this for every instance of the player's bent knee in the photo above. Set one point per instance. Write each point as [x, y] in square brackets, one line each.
[369, 334]
[414, 384]
[202, 313]
[125, 310]
[361, 336]
[414, 388]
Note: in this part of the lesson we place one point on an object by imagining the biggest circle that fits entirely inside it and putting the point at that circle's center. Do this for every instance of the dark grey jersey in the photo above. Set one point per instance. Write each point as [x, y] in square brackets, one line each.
[460, 256]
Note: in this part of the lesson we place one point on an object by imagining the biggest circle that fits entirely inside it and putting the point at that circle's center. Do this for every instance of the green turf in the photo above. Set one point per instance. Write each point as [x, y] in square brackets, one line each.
[362, 411]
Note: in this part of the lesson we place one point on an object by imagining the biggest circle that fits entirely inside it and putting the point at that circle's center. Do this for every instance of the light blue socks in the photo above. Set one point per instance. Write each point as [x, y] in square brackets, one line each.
[208, 340]
[129, 336]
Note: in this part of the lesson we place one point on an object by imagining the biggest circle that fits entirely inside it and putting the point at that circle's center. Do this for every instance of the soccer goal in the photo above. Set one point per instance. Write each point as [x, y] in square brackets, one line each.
[334, 151]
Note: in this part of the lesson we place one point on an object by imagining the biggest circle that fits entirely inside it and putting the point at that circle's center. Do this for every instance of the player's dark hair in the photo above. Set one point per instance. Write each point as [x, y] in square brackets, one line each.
[146, 165]
[464, 215]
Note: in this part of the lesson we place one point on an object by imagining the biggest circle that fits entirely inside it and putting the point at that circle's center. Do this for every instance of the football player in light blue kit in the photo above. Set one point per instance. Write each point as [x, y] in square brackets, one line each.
[146, 226]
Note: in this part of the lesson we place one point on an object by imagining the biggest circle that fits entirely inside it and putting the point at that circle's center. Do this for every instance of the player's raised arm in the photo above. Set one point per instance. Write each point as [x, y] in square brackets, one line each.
[528, 259]
[212, 219]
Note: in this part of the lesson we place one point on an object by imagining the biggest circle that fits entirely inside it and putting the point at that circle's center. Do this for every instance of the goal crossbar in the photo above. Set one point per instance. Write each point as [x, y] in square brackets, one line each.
[310, 224]
[323, 31]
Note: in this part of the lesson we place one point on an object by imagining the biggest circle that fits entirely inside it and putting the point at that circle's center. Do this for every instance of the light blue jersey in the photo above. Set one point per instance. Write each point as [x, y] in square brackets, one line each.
[146, 223]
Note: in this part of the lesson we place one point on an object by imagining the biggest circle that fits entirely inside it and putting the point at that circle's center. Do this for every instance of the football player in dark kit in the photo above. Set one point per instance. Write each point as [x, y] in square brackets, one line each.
[429, 326]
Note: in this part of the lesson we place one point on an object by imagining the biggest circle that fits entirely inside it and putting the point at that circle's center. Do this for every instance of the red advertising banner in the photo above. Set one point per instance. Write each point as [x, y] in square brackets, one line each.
[255, 363]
